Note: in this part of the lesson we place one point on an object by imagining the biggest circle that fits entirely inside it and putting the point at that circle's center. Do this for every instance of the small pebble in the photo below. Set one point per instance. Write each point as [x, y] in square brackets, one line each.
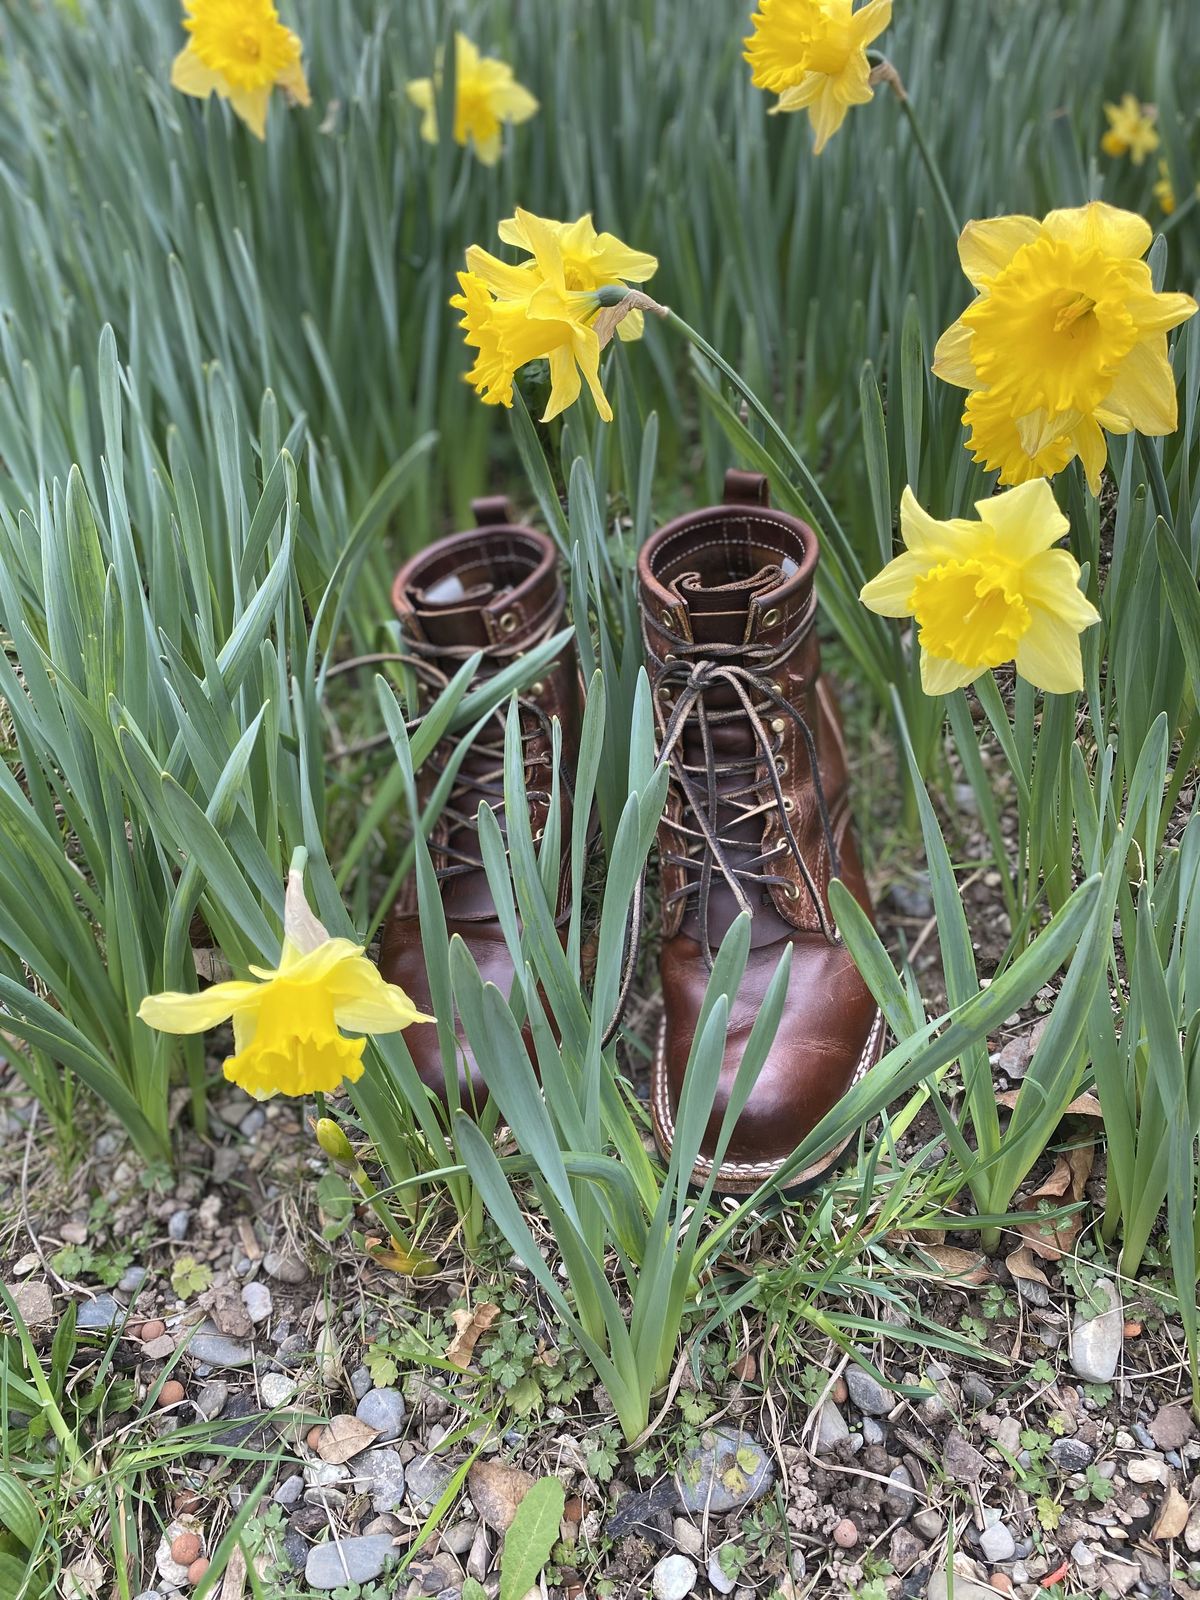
[673, 1578]
[290, 1490]
[867, 1393]
[383, 1410]
[845, 1534]
[171, 1393]
[132, 1279]
[1096, 1341]
[284, 1267]
[159, 1349]
[360, 1383]
[253, 1123]
[185, 1547]
[1071, 1455]
[277, 1390]
[177, 1225]
[256, 1298]
[186, 1503]
[997, 1544]
[718, 1577]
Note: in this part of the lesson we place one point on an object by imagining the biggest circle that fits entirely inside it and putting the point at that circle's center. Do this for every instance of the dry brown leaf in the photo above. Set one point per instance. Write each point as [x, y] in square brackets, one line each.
[1086, 1105]
[1022, 1265]
[343, 1438]
[469, 1326]
[1056, 1184]
[496, 1491]
[1051, 1238]
[964, 1266]
[1172, 1516]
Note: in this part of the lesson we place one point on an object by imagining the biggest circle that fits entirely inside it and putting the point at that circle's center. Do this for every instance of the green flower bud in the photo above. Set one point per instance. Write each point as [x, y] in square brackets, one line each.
[334, 1142]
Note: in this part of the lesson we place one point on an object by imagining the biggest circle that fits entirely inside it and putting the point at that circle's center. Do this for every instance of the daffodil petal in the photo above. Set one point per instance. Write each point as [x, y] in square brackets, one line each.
[173, 1012]
[889, 593]
[1143, 392]
[1099, 226]
[565, 384]
[190, 76]
[1049, 655]
[952, 357]
[943, 677]
[251, 105]
[987, 247]
[925, 536]
[1025, 520]
[1050, 581]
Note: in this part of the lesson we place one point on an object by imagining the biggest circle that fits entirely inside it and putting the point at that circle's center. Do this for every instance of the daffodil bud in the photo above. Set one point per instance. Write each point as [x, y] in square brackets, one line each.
[334, 1142]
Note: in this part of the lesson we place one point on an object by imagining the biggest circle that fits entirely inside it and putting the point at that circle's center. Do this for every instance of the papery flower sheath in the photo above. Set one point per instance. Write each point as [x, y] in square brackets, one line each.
[989, 591]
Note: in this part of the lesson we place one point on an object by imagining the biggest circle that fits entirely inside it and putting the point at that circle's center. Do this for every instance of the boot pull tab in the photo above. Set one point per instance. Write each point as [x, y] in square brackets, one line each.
[746, 488]
[492, 511]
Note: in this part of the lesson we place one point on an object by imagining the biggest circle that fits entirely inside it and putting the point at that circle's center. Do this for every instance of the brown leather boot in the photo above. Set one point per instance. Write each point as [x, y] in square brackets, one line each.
[495, 589]
[757, 819]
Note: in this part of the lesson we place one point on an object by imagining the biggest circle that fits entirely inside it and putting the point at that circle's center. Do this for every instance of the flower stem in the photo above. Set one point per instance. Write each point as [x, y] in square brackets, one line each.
[884, 72]
[811, 485]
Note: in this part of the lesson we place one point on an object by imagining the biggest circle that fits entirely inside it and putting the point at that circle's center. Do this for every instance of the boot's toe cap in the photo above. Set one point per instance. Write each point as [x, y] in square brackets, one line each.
[828, 1035]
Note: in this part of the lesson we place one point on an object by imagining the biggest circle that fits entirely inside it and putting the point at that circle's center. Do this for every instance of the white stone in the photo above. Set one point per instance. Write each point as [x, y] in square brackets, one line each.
[673, 1578]
[1096, 1340]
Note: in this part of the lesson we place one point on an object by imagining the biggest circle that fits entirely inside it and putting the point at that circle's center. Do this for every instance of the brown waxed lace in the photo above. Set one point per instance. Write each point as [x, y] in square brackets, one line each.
[698, 669]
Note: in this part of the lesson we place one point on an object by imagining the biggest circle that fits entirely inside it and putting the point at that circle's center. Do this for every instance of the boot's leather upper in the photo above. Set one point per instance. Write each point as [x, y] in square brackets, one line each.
[757, 817]
[493, 589]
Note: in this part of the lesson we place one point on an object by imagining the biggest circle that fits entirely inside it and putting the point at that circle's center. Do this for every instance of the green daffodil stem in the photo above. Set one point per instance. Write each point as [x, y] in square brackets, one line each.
[882, 71]
[812, 488]
[341, 1152]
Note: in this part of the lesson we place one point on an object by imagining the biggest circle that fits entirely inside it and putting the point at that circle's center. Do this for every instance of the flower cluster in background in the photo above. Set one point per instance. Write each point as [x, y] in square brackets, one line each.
[486, 96]
[240, 51]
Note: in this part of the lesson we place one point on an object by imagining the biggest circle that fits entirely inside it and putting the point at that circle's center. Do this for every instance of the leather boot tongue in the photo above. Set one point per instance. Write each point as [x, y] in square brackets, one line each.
[451, 608]
[719, 610]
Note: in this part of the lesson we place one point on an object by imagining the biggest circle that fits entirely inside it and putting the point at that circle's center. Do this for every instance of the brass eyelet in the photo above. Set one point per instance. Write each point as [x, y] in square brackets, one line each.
[781, 765]
[538, 835]
[792, 891]
[667, 618]
[778, 688]
[664, 691]
[537, 688]
[670, 656]
[789, 805]
[509, 622]
[771, 618]
[778, 725]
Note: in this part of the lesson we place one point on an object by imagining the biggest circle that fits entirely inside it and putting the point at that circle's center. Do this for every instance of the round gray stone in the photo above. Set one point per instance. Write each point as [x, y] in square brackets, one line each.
[98, 1315]
[427, 1479]
[726, 1471]
[831, 1427]
[132, 1280]
[284, 1267]
[256, 1298]
[673, 1578]
[177, 1225]
[383, 1410]
[336, 1565]
[1096, 1340]
[290, 1490]
[867, 1393]
[997, 1544]
[380, 1474]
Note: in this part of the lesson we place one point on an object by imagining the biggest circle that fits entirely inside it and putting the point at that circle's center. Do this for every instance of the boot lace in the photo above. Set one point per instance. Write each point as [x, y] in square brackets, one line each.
[751, 788]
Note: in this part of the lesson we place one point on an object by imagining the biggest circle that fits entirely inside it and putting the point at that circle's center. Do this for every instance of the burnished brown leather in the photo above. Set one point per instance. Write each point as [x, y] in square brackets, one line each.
[757, 818]
[495, 589]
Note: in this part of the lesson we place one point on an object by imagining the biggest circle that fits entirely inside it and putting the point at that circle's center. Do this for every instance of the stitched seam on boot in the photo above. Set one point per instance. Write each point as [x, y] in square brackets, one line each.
[704, 1163]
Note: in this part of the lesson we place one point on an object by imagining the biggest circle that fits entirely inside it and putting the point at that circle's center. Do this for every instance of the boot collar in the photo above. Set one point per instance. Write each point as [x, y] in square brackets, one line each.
[490, 588]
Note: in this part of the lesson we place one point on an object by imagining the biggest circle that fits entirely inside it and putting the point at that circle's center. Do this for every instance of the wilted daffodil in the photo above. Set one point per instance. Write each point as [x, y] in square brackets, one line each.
[1066, 338]
[1131, 130]
[486, 96]
[813, 54]
[983, 593]
[241, 51]
[287, 1026]
[544, 308]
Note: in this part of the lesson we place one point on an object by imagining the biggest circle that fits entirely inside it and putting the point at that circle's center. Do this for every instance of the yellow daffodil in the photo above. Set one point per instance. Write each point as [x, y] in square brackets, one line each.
[241, 51]
[1065, 338]
[983, 593]
[590, 260]
[1131, 130]
[813, 54]
[287, 1026]
[486, 96]
[543, 308]
[1164, 190]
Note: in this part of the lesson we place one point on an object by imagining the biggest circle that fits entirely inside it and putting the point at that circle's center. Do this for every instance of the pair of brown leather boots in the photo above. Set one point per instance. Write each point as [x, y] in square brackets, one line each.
[757, 816]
